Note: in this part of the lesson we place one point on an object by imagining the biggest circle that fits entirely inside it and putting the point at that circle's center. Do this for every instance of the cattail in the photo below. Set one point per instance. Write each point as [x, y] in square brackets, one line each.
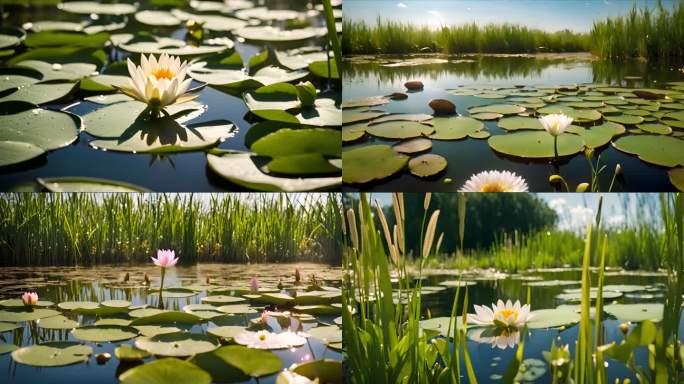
[430, 233]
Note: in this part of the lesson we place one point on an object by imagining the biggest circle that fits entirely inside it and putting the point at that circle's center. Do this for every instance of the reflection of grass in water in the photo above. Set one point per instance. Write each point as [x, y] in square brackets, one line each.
[388, 36]
[86, 229]
[482, 68]
[641, 33]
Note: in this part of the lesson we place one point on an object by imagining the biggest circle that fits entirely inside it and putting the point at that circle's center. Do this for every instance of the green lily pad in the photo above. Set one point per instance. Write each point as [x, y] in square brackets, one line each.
[373, 162]
[266, 14]
[102, 333]
[222, 299]
[235, 363]
[302, 164]
[313, 140]
[635, 312]
[324, 113]
[178, 344]
[353, 132]
[10, 37]
[679, 115]
[17, 77]
[269, 34]
[57, 322]
[210, 22]
[515, 123]
[168, 370]
[273, 298]
[327, 334]
[660, 129]
[86, 184]
[241, 169]
[325, 370]
[457, 283]
[167, 318]
[128, 353]
[479, 134]
[419, 144]
[19, 303]
[112, 321]
[427, 165]
[157, 18]
[41, 93]
[577, 295]
[454, 128]
[227, 332]
[7, 348]
[399, 129]
[52, 354]
[625, 119]
[318, 309]
[57, 71]
[553, 318]
[89, 7]
[154, 330]
[6, 327]
[282, 96]
[320, 69]
[104, 83]
[145, 312]
[535, 144]
[365, 102]
[598, 135]
[236, 309]
[72, 39]
[676, 176]
[661, 150]
[50, 25]
[486, 116]
[174, 292]
[172, 47]
[502, 109]
[15, 152]
[27, 314]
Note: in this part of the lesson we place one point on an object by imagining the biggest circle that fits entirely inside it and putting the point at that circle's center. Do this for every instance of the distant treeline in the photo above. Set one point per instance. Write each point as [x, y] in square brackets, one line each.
[642, 33]
[87, 229]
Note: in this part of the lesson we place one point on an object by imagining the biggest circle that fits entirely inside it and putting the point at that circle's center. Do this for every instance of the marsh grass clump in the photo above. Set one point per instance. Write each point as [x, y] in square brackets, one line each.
[89, 229]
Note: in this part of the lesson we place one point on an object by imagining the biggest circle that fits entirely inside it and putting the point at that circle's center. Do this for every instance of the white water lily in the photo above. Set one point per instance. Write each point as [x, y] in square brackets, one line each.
[498, 338]
[556, 123]
[495, 181]
[158, 83]
[289, 377]
[269, 340]
[503, 315]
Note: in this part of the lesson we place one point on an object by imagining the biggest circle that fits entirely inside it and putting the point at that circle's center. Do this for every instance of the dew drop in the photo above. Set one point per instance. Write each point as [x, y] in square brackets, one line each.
[57, 67]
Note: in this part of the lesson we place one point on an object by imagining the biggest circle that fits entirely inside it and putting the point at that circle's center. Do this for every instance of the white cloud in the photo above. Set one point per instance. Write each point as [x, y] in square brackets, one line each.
[434, 13]
[402, 5]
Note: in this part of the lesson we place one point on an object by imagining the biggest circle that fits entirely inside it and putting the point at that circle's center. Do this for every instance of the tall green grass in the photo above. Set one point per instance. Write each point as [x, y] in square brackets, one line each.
[387, 36]
[642, 33]
[87, 229]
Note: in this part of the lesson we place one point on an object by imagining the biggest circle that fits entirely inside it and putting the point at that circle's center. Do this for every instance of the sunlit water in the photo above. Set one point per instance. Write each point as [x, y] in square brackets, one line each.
[363, 78]
[60, 284]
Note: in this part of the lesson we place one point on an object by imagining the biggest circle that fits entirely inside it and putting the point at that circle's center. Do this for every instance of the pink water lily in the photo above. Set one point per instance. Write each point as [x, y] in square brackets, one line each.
[29, 298]
[254, 285]
[165, 258]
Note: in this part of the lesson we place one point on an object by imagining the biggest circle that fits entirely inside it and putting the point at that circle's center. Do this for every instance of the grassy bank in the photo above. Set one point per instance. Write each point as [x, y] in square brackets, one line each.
[86, 229]
[645, 33]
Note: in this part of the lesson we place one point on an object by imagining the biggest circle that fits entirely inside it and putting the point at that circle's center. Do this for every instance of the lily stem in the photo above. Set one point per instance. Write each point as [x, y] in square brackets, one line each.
[161, 288]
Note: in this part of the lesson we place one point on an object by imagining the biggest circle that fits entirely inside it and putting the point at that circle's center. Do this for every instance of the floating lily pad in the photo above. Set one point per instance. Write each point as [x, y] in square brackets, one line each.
[169, 370]
[57, 71]
[660, 129]
[174, 292]
[302, 164]
[274, 298]
[373, 162]
[72, 39]
[157, 18]
[625, 119]
[515, 123]
[7, 348]
[661, 150]
[57, 322]
[129, 353]
[419, 144]
[502, 109]
[457, 283]
[222, 299]
[327, 334]
[52, 354]
[676, 176]
[87, 184]
[486, 116]
[325, 370]
[577, 295]
[427, 165]
[479, 134]
[173, 47]
[28, 314]
[102, 333]
[90, 7]
[318, 309]
[167, 318]
[311, 140]
[178, 344]
[324, 113]
[10, 37]
[227, 332]
[6, 327]
[535, 144]
[218, 23]
[269, 34]
[15, 152]
[676, 115]
[235, 363]
[635, 312]
[282, 96]
[236, 309]
[366, 102]
[454, 128]
[41, 93]
[598, 135]
[241, 169]
[17, 77]
[553, 318]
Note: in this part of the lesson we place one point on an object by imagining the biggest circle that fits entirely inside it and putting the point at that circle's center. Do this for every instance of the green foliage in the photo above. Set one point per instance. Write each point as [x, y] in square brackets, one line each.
[86, 229]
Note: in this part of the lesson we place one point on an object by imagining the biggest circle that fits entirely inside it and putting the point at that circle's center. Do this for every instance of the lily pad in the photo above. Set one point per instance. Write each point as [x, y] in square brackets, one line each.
[240, 168]
[502, 109]
[227, 332]
[635, 312]
[222, 299]
[300, 141]
[515, 123]
[427, 165]
[41, 93]
[43, 128]
[168, 370]
[553, 318]
[269, 34]
[90, 7]
[178, 344]
[7, 348]
[399, 129]
[302, 164]
[102, 333]
[454, 128]
[13, 316]
[10, 37]
[157, 18]
[366, 102]
[416, 145]
[325, 69]
[236, 309]
[219, 23]
[15, 152]
[676, 176]
[173, 47]
[598, 135]
[327, 334]
[577, 295]
[86, 184]
[625, 119]
[52, 354]
[535, 144]
[167, 318]
[128, 353]
[660, 129]
[57, 322]
[325, 370]
[486, 116]
[373, 162]
[17, 77]
[59, 71]
[281, 96]
[324, 113]
[235, 363]
[6, 327]
[661, 150]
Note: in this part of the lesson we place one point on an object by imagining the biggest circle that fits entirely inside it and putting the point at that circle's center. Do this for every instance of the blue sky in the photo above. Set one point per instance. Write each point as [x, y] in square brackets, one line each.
[550, 15]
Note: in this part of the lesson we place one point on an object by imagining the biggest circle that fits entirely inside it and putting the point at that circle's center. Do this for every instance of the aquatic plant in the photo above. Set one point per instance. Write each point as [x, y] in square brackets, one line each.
[165, 259]
[158, 83]
[555, 124]
[29, 299]
[495, 181]
[502, 315]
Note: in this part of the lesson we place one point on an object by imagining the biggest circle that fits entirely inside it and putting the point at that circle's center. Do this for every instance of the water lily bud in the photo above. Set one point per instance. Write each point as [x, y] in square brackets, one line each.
[307, 93]
[582, 187]
[624, 328]
[103, 357]
[589, 153]
[555, 179]
[618, 169]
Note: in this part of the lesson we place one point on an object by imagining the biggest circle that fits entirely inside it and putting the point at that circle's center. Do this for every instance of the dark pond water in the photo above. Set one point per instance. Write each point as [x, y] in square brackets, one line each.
[177, 172]
[99, 284]
[489, 361]
[364, 77]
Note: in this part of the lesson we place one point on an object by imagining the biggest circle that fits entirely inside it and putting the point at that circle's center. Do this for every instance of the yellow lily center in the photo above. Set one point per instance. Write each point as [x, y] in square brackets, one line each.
[493, 187]
[505, 313]
[162, 73]
[262, 337]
